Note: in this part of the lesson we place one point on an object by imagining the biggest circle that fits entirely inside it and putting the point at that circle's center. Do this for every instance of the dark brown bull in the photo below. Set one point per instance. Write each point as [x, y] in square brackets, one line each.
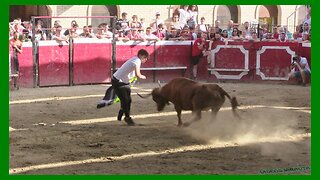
[187, 94]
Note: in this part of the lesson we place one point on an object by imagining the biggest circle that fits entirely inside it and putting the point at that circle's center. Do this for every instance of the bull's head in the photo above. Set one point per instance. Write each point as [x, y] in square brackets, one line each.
[159, 99]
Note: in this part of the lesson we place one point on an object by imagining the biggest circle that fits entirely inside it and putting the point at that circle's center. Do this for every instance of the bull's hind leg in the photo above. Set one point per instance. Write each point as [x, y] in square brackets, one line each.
[179, 116]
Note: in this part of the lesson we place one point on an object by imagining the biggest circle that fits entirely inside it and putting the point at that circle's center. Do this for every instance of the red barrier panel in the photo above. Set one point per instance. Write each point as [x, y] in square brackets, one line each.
[172, 54]
[53, 63]
[25, 65]
[92, 61]
[273, 60]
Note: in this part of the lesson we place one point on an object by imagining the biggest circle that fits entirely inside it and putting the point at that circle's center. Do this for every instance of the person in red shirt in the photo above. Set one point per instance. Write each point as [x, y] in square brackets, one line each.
[198, 47]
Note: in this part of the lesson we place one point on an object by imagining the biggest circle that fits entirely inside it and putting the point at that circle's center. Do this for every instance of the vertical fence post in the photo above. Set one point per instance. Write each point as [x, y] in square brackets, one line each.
[71, 50]
[35, 55]
[114, 62]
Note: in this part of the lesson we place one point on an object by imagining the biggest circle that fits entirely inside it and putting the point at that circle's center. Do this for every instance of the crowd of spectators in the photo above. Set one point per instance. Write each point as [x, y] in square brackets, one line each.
[183, 26]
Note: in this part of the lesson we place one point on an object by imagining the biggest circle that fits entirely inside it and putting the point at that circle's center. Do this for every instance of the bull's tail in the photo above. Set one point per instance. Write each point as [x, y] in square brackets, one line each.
[234, 103]
[145, 96]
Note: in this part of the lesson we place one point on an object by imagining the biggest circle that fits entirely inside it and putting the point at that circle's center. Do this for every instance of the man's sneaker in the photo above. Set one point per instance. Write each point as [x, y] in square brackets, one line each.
[120, 114]
[129, 121]
[101, 105]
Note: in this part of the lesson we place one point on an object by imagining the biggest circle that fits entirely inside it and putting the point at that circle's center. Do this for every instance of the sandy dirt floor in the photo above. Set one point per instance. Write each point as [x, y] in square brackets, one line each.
[59, 130]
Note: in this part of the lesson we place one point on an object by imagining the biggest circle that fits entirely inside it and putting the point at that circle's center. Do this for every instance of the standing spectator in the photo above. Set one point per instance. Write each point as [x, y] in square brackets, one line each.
[156, 22]
[202, 26]
[135, 23]
[224, 34]
[300, 69]
[275, 32]
[230, 28]
[173, 35]
[235, 34]
[184, 15]
[39, 34]
[176, 24]
[193, 15]
[305, 32]
[142, 25]
[246, 28]
[90, 29]
[198, 47]
[159, 32]
[121, 36]
[16, 45]
[282, 37]
[123, 23]
[120, 83]
[73, 31]
[217, 26]
[185, 34]
[297, 35]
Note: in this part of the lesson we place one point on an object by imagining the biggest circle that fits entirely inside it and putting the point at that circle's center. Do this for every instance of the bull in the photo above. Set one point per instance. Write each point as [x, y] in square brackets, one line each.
[187, 94]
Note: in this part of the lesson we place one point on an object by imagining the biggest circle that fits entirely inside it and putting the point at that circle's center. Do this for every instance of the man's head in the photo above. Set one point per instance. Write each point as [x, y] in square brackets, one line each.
[296, 58]
[143, 55]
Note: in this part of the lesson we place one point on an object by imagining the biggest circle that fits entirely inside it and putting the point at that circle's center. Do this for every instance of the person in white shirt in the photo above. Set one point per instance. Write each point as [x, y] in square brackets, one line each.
[156, 22]
[184, 15]
[121, 83]
[300, 69]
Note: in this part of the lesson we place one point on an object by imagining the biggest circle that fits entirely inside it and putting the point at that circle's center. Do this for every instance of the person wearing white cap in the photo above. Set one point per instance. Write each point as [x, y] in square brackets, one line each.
[156, 22]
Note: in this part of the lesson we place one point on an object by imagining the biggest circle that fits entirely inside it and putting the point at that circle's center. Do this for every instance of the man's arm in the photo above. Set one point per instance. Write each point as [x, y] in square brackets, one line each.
[138, 73]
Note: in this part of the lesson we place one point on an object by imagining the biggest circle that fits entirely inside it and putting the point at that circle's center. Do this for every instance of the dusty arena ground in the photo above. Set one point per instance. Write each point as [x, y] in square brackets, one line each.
[58, 130]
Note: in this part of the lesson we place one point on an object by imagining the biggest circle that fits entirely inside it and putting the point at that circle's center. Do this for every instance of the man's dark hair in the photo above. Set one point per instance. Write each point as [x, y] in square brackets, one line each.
[296, 58]
[143, 53]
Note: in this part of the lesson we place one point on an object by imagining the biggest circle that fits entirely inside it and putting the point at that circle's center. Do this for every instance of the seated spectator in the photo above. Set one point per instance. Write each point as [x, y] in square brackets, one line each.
[135, 35]
[254, 36]
[103, 31]
[300, 69]
[275, 32]
[149, 36]
[159, 32]
[58, 36]
[268, 37]
[90, 29]
[193, 33]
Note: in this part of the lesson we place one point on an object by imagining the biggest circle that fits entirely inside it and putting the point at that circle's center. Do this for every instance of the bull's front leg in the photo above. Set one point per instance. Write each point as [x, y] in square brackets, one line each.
[196, 116]
[179, 115]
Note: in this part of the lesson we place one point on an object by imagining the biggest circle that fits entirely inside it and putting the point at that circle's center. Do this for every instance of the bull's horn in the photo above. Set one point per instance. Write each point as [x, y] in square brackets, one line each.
[159, 83]
[144, 96]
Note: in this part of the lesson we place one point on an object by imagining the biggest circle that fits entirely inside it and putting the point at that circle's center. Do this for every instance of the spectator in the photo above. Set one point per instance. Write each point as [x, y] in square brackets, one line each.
[85, 33]
[224, 34]
[275, 32]
[135, 35]
[297, 35]
[103, 31]
[283, 37]
[121, 36]
[254, 36]
[149, 36]
[173, 35]
[184, 15]
[73, 31]
[198, 47]
[39, 34]
[246, 28]
[193, 33]
[300, 69]
[235, 34]
[202, 26]
[27, 31]
[15, 26]
[305, 32]
[123, 23]
[176, 24]
[159, 32]
[135, 23]
[16, 45]
[142, 25]
[193, 13]
[185, 34]
[58, 36]
[90, 29]
[217, 26]
[230, 28]
[156, 22]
